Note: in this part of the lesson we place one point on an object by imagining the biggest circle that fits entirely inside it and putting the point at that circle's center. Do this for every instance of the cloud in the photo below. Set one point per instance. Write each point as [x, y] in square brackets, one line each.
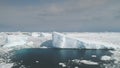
[78, 15]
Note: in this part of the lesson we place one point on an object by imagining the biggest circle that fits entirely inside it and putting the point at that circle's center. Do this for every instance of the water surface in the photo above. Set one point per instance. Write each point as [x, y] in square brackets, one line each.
[50, 58]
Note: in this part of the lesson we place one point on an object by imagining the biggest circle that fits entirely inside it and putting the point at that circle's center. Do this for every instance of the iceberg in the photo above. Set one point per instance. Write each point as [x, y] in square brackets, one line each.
[14, 40]
[65, 41]
[3, 39]
[60, 40]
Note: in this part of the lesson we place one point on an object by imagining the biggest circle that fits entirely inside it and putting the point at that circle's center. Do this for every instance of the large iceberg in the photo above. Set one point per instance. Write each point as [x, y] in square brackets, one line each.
[3, 38]
[66, 41]
[60, 40]
[14, 40]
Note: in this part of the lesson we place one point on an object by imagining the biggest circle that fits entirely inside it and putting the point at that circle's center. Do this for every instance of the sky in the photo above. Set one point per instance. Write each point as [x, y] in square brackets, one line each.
[60, 15]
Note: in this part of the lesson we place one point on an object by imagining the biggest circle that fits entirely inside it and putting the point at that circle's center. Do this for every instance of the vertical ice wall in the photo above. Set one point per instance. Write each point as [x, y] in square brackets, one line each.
[3, 39]
[62, 41]
[58, 40]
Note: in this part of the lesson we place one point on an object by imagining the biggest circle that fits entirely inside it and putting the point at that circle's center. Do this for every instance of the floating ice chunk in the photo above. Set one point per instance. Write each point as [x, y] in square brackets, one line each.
[105, 58]
[62, 64]
[37, 61]
[76, 67]
[94, 56]
[89, 62]
[6, 65]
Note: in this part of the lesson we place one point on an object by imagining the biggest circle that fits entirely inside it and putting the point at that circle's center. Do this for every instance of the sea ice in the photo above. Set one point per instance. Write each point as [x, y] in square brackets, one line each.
[88, 62]
[6, 65]
[62, 64]
[105, 58]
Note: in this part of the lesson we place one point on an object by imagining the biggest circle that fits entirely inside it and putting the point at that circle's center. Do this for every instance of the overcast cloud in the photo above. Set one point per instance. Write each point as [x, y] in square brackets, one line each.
[60, 15]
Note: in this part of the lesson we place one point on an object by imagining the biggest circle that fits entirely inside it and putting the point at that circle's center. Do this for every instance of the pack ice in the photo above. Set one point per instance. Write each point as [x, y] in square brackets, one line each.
[23, 40]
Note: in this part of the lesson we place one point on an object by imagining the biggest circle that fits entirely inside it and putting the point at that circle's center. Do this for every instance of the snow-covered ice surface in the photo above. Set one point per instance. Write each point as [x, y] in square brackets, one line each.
[10, 41]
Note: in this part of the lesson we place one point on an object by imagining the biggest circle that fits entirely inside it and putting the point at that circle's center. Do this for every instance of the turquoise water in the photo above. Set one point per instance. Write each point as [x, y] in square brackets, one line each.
[50, 58]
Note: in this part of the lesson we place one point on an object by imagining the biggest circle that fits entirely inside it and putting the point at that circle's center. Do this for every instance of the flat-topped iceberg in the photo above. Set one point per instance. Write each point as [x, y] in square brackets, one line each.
[64, 41]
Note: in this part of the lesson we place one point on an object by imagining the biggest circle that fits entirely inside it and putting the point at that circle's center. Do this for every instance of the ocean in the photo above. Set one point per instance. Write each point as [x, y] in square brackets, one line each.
[57, 58]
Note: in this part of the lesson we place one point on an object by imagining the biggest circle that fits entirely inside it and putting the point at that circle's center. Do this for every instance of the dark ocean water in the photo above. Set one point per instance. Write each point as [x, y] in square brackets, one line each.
[50, 58]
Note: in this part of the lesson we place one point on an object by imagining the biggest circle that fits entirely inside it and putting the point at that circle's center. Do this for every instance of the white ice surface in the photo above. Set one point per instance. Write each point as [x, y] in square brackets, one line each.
[105, 58]
[87, 62]
[14, 40]
[6, 65]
